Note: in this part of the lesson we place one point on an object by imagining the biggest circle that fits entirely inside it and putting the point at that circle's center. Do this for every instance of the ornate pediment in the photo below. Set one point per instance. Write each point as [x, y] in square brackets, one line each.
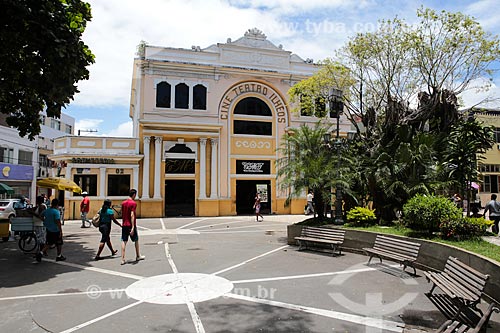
[255, 38]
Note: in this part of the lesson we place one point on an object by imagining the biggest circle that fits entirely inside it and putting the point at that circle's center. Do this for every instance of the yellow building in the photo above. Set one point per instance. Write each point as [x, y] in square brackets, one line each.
[489, 169]
[207, 126]
[210, 122]
[104, 167]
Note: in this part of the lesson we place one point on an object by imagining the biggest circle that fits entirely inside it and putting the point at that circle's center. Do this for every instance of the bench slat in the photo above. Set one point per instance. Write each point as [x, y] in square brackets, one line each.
[467, 267]
[453, 326]
[459, 281]
[397, 250]
[461, 277]
[396, 240]
[385, 253]
[449, 286]
[402, 251]
[307, 239]
[334, 237]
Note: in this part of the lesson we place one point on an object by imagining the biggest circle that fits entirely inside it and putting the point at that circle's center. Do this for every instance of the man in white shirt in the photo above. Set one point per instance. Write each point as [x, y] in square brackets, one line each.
[310, 206]
[493, 207]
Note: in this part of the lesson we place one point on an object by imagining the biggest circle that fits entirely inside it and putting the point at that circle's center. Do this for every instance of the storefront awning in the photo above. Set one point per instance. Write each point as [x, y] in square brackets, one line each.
[6, 189]
[59, 184]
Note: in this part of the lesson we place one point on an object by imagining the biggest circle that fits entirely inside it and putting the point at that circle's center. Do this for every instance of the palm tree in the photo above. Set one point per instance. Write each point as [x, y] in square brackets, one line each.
[466, 141]
[307, 164]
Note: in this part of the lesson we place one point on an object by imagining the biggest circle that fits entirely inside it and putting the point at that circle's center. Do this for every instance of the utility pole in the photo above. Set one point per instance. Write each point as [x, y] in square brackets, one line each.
[87, 131]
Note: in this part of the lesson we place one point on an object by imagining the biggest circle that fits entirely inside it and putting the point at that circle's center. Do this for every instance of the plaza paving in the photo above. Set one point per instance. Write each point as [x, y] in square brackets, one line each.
[224, 274]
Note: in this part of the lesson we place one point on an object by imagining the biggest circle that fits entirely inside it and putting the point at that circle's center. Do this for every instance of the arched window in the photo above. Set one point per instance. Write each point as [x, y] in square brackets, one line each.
[199, 97]
[253, 106]
[181, 96]
[163, 95]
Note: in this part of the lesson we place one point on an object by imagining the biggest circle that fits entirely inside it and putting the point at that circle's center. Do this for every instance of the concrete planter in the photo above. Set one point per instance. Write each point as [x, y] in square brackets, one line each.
[432, 255]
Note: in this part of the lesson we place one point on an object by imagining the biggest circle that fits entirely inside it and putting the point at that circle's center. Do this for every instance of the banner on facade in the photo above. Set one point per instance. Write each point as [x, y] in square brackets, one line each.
[253, 167]
[262, 189]
[179, 166]
[16, 171]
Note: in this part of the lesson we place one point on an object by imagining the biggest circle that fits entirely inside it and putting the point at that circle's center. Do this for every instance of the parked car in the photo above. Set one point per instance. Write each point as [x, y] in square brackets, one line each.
[7, 208]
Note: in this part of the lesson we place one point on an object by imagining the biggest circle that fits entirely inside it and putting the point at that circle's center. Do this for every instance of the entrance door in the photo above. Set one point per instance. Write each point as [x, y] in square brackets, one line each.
[179, 198]
[245, 196]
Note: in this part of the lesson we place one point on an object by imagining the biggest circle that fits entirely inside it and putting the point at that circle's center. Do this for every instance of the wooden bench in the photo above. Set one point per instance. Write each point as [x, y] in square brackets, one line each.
[314, 235]
[462, 283]
[453, 326]
[401, 251]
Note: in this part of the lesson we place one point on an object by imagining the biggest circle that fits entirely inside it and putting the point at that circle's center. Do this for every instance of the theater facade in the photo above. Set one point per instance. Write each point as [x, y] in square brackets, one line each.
[208, 124]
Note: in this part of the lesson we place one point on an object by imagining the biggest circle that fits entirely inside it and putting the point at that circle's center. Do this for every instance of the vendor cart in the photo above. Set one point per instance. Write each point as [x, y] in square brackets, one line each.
[29, 232]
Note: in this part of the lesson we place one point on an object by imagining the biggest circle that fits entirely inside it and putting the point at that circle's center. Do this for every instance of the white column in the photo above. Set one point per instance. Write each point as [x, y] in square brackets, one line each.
[145, 169]
[158, 159]
[213, 173]
[135, 182]
[102, 182]
[67, 176]
[203, 169]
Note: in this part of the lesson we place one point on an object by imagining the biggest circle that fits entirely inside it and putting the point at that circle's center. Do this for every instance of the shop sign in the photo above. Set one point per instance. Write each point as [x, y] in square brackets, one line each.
[16, 171]
[184, 166]
[253, 167]
[92, 160]
[253, 88]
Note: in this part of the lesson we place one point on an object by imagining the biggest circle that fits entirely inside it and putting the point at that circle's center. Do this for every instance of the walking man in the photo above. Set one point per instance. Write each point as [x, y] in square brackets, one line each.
[310, 206]
[494, 208]
[52, 222]
[129, 225]
[84, 209]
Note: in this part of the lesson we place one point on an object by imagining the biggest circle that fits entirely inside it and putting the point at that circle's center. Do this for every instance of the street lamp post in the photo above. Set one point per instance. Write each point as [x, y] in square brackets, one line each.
[336, 107]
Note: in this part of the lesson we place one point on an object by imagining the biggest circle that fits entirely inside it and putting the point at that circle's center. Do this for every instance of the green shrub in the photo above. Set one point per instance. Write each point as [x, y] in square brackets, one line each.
[464, 228]
[426, 213]
[359, 216]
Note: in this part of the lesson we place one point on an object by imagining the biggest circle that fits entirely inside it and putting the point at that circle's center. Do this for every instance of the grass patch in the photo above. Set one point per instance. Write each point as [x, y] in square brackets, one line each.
[316, 222]
[479, 246]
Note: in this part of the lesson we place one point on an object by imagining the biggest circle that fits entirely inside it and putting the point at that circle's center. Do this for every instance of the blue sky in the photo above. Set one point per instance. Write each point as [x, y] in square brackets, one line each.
[310, 28]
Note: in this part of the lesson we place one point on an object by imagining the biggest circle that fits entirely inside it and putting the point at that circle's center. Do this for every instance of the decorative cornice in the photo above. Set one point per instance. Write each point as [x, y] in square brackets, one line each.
[255, 33]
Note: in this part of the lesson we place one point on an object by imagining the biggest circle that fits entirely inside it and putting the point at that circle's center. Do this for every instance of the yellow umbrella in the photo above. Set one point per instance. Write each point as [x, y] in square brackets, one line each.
[59, 184]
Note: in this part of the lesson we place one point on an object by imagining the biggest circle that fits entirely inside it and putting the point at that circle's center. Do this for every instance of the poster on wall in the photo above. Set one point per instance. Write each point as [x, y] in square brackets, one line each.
[262, 189]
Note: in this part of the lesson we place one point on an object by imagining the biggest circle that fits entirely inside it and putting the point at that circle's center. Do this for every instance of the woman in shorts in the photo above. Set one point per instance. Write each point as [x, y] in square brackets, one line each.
[106, 216]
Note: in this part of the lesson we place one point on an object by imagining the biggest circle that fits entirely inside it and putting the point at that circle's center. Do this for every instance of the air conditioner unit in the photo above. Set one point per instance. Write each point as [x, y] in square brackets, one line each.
[43, 172]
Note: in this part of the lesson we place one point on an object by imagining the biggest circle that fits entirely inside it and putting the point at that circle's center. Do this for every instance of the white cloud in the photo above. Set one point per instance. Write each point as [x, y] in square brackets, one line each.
[311, 29]
[477, 96]
[118, 26]
[123, 130]
[487, 12]
[85, 126]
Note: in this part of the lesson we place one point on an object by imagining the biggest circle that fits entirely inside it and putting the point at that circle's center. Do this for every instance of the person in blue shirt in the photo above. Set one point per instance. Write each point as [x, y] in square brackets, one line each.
[106, 216]
[52, 222]
[21, 204]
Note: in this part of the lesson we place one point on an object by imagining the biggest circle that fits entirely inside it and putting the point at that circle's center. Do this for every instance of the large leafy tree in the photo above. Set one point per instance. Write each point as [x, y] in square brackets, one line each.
[41, 58]
[426, 65]
[405, 103]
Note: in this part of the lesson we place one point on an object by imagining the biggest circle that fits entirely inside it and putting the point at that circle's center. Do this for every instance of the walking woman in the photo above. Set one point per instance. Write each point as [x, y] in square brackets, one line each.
[256, 207]
[106, 216]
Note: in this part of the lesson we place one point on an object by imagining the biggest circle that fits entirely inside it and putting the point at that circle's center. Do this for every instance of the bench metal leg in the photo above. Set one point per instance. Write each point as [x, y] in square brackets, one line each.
[371, 256]
[406, 265]
[336, 247]
[432, 288]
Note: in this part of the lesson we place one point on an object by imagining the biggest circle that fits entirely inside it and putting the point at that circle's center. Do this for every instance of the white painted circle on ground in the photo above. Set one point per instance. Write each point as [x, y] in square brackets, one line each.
[179, 288]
